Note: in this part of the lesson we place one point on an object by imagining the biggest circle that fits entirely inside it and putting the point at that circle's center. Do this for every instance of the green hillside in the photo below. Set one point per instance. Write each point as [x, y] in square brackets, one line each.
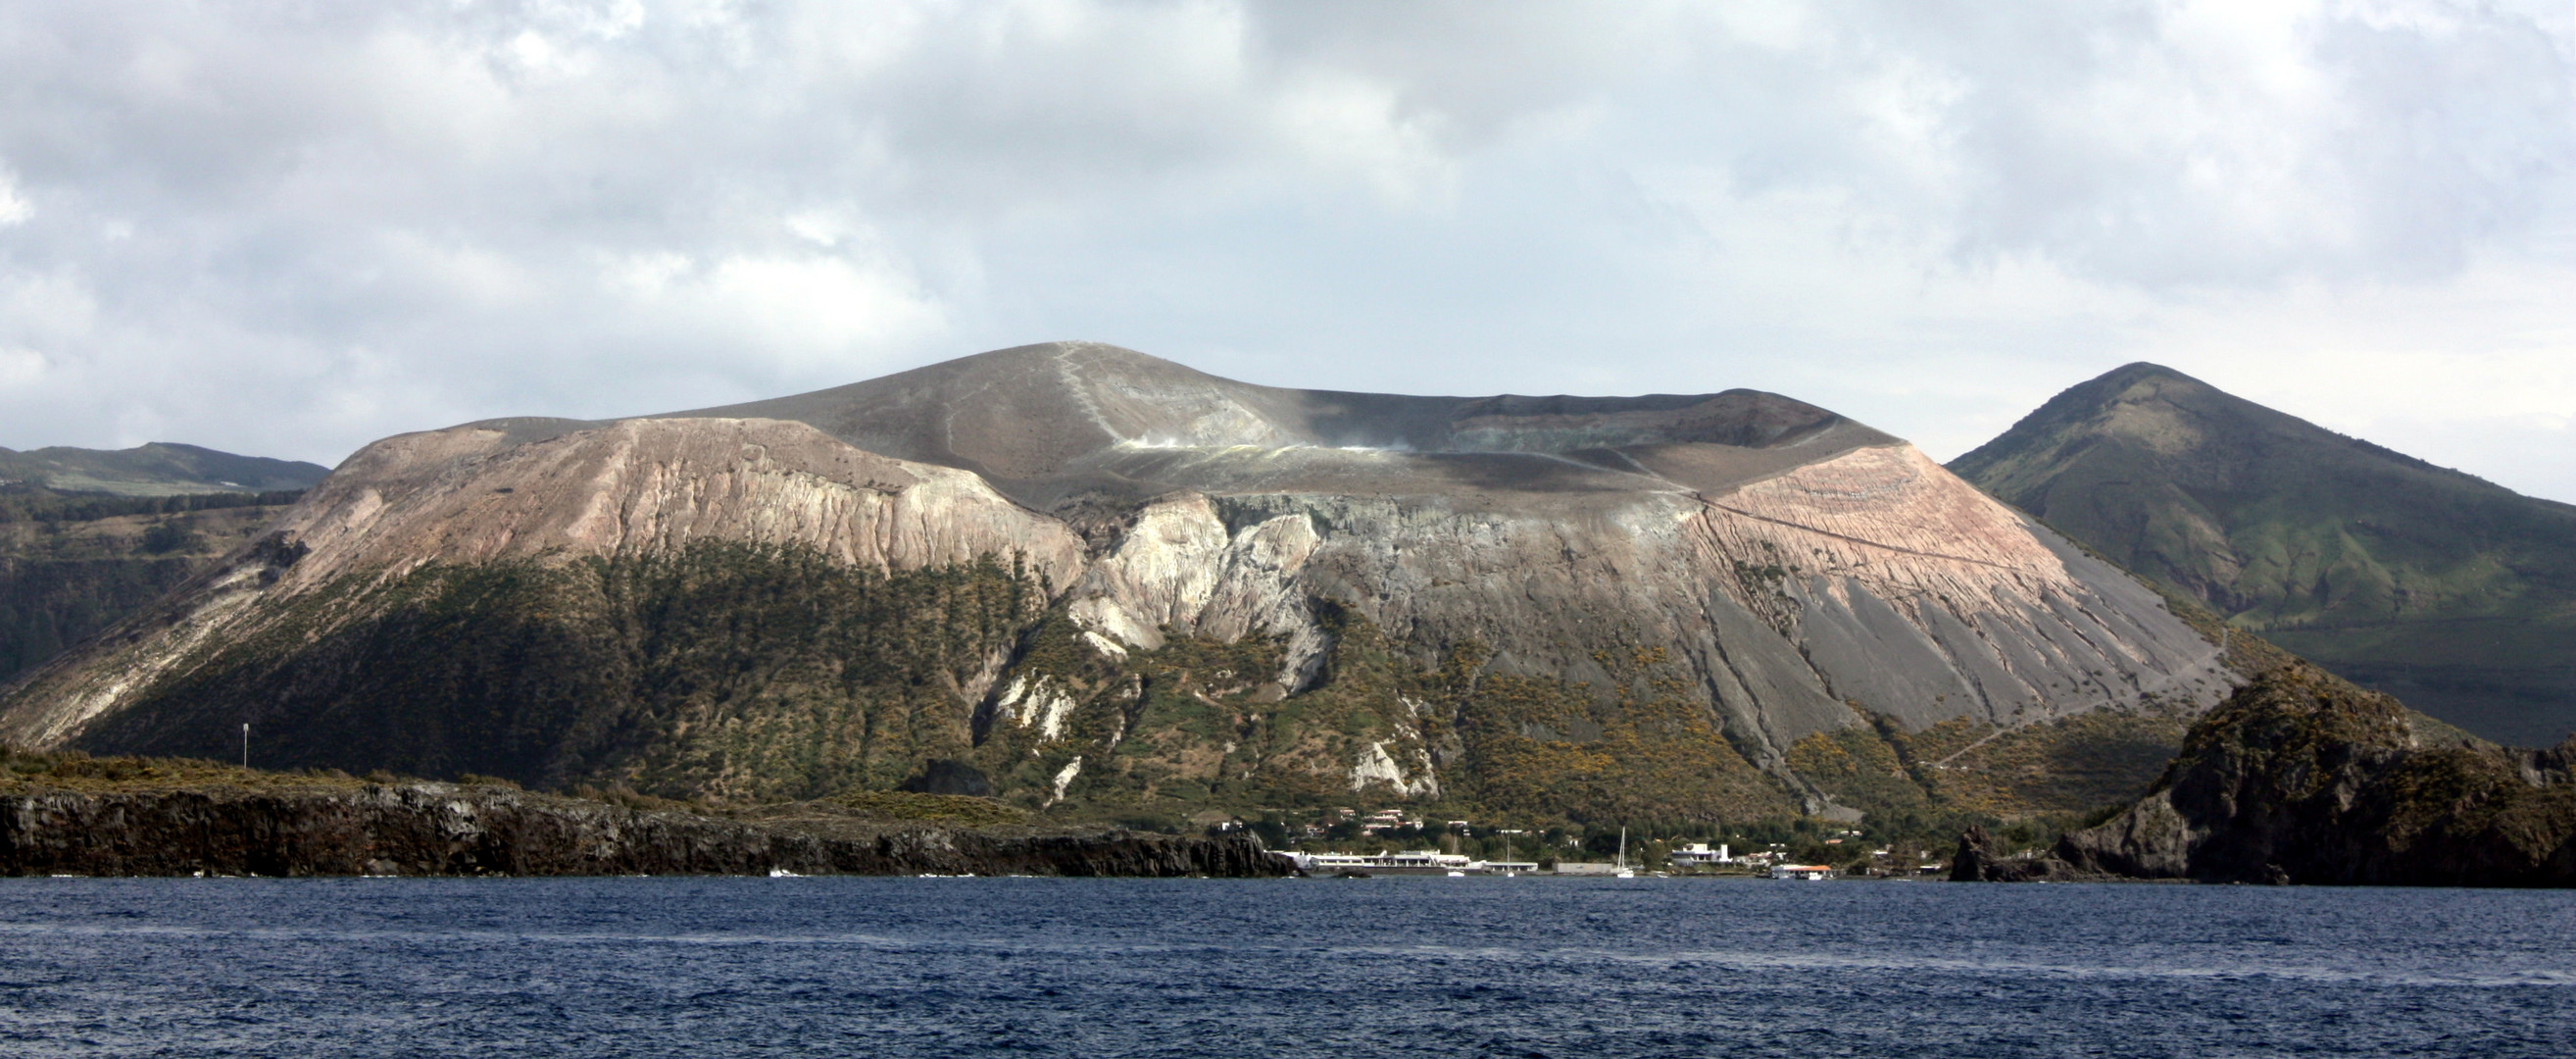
[2453, 593]
[746, 673]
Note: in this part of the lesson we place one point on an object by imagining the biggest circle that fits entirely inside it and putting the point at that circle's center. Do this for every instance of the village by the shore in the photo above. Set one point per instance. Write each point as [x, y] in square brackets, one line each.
[1352, 844]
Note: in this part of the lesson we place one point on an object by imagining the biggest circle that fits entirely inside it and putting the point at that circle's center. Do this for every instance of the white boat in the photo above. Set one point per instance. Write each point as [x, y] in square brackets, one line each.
[1622, 869]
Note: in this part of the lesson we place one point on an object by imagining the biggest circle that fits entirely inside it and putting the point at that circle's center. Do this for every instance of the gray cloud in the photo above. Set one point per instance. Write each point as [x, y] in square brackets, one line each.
[289, 230]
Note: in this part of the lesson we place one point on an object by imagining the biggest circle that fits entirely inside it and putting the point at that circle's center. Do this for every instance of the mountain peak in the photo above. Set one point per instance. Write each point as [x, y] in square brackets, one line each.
[2092, 400]
[2142, 370]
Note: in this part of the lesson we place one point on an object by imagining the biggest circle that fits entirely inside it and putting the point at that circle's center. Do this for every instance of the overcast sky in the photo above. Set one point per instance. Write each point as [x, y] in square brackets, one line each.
[290, 228]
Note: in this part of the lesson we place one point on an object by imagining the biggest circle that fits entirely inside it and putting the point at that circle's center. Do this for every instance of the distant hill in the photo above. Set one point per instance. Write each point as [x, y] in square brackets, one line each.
[88, 535]
[157, 469]
[2453, 593]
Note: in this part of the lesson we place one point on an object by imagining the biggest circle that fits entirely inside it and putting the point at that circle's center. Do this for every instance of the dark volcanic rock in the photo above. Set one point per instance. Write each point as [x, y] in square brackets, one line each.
[1979, 861]
[2302, 778]
[442, 829]
[950, 777]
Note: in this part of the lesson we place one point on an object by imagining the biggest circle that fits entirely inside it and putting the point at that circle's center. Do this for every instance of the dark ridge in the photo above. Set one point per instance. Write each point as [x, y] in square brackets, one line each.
[415, 828]
[23, 503]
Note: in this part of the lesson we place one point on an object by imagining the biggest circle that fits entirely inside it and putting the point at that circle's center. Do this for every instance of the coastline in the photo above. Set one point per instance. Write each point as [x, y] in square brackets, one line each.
[422, 828]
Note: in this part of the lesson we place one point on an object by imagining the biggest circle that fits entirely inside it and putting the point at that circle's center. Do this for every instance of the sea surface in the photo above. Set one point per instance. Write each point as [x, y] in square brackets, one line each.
[1311, 967]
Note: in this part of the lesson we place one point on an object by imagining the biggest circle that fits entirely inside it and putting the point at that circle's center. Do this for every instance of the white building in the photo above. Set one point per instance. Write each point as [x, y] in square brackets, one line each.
[1407, 862]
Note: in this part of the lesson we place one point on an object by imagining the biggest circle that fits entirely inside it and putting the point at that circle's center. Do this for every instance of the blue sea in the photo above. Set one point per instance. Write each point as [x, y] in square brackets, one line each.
[1312, 967]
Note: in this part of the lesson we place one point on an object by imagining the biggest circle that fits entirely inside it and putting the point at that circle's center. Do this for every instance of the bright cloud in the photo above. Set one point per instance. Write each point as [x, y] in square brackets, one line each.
[289, 230]
[14, 207]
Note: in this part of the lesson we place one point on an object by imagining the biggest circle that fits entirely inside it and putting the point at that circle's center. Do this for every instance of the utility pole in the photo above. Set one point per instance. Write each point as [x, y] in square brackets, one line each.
[245, 744]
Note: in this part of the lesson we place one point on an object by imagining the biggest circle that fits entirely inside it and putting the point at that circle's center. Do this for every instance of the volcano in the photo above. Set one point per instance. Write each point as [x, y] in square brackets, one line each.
[1084, 575]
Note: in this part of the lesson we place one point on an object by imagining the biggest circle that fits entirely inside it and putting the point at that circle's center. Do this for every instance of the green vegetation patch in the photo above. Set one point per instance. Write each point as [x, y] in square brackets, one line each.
[1641, 748]
[725, 671]
[34, 772]
[1200, 725]
[1862, 768]
[941, 808]
[1968, 769]
[1196, 723]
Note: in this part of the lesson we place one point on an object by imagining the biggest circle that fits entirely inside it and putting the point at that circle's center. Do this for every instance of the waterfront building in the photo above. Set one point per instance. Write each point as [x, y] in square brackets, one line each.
[1698, 853]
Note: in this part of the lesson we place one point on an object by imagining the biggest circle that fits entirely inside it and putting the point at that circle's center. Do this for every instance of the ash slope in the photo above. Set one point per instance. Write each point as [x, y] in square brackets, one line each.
[1608, 509]
[1737, 563]
[2453, 593]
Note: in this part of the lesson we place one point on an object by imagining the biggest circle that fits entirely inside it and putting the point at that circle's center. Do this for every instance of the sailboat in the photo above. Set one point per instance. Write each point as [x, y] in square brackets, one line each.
[1624, 871]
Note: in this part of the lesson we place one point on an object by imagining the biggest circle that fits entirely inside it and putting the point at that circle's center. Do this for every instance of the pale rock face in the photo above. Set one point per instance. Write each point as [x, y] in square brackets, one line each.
[1916, 594]
[1912, 594]
[468, 495]
[1376, 766]
[1162, 572]
[1064, 778]
[1177, 567]
[1035, 702]
[217, 606]
[651, 485]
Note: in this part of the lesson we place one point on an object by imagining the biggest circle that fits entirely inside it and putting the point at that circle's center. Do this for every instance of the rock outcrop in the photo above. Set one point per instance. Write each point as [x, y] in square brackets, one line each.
[446, 829]
[1173, 567]
[1980, 860]
[2302, 778]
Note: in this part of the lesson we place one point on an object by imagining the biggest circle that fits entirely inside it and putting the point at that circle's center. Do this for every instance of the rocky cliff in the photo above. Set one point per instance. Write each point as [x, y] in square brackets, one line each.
[1092, 575]
[2303, 778]
[265, 824]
